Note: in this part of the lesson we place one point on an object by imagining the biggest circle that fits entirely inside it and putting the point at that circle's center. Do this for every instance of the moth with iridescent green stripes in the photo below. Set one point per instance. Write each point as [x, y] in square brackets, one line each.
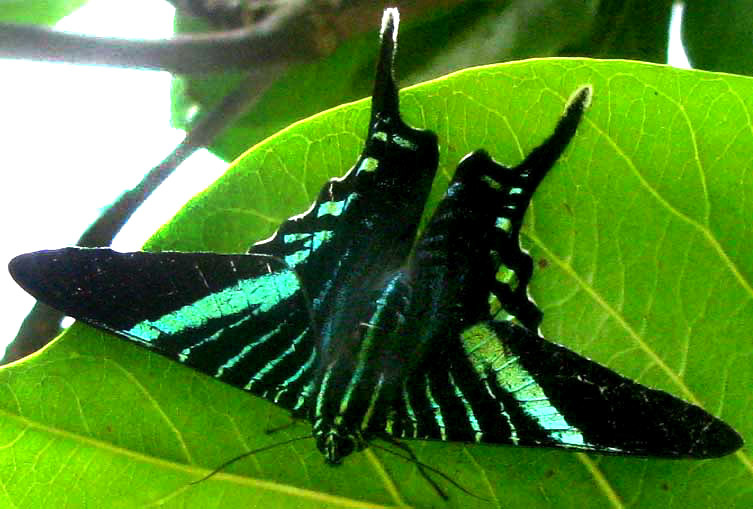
[347, 320]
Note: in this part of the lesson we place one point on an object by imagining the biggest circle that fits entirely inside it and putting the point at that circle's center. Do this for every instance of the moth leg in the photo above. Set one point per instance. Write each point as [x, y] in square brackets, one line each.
[414, 459]
[425, 469]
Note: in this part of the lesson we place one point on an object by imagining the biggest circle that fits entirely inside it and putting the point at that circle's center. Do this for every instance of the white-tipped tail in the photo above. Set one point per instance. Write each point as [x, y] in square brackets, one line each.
[390, 22]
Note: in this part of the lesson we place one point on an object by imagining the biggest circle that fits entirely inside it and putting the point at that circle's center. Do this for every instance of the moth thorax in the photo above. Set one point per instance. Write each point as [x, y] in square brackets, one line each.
[335, 442]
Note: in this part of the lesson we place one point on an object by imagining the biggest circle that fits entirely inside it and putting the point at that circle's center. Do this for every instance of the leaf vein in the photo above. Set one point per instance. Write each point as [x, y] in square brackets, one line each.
[601, 481]
[157, 407]
[710, 238]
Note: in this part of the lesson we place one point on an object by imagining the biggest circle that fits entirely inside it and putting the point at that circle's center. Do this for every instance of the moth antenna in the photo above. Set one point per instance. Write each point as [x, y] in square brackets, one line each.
[246, 455]
[423, 467]
[384, 100]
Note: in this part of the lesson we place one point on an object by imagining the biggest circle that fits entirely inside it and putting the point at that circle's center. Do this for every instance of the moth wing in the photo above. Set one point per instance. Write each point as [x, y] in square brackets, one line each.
[500, 383]
[242, 319]
[485, 375]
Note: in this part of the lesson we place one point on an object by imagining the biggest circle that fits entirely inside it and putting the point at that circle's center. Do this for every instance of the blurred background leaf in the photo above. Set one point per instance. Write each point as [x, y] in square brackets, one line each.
[718, 35]
[43, 13]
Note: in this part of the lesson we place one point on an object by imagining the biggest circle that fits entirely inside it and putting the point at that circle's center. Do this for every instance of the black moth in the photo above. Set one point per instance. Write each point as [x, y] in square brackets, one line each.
[345, 319]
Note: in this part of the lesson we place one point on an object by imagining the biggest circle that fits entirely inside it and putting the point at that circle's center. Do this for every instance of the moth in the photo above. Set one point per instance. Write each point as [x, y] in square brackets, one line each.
[349, 319]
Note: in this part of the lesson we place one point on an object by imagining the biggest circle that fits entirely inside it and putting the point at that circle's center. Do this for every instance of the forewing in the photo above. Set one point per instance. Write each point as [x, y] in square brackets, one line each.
[242, 319]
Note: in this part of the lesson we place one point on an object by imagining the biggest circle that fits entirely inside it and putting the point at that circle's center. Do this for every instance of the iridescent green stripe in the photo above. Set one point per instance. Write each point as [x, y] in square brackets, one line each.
[322, 392]
[368, 344]
[534, 403]
[282, 387]
[502, 411]
[232, 361]
[305, 394]
[503, 224]
[312, 242]
[482, 344]
[372, 402]
[368, 164]
[477, 433]
[248, 296]
[410, 412]
[184, 354]
[270, 365]
[437, 410]
[330, 208]
[404, 142]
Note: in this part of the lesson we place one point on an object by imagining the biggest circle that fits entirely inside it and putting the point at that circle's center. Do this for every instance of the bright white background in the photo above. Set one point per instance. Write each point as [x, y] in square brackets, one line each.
[74, 137]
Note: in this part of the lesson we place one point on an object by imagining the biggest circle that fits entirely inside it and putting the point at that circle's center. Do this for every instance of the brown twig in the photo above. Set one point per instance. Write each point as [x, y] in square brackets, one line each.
[282, 38]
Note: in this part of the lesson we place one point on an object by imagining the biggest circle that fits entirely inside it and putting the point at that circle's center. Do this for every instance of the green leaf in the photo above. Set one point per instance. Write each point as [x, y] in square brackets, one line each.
[718, 35]
[632, 29]
[642, 240]
[39, 13]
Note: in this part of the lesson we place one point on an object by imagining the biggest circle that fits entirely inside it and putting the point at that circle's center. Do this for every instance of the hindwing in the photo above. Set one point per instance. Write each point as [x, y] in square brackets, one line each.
[502, 384]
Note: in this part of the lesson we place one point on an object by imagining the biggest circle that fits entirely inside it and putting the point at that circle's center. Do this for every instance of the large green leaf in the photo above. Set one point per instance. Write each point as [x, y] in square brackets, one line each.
[642, 237]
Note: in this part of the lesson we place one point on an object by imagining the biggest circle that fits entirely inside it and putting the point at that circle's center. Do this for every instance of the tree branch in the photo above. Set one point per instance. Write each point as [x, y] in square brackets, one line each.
[284, 37]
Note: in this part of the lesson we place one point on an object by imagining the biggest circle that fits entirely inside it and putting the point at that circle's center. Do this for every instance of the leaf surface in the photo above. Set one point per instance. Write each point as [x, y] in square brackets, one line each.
[642, 240]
